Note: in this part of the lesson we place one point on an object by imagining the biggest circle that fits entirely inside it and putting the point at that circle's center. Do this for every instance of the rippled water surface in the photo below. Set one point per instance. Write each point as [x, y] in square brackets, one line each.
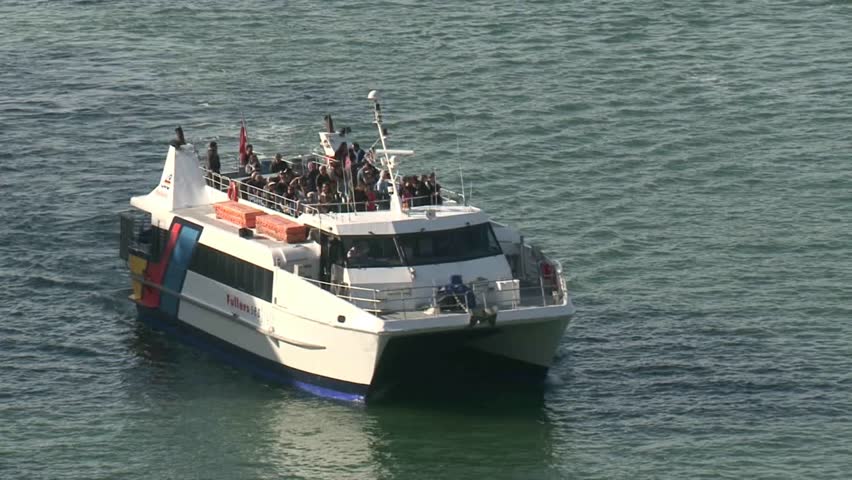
[689, 162]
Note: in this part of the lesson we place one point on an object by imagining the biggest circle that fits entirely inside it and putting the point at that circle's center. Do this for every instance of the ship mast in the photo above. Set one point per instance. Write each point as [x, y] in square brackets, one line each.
[388, 161]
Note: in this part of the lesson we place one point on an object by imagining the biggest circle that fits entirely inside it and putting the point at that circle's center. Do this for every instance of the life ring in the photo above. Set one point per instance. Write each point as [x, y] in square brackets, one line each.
[233, 191]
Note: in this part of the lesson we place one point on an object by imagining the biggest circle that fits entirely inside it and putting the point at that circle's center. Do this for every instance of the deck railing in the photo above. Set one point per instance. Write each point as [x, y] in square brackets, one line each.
[294, 208]
[432, 301]
[259, 196]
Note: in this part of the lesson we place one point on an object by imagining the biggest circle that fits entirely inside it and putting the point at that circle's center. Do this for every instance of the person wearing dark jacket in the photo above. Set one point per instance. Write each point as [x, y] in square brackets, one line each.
[357, 154]
[213, 162]
[179, 140]
[311, 177]
[322, 178]
[424, 191]
[244, 158]
[278, 164]
[360, 197]
[253, 165]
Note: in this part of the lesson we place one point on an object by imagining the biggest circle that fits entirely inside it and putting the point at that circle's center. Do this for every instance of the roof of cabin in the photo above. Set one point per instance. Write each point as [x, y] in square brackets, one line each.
[387, 222]
[256, 248]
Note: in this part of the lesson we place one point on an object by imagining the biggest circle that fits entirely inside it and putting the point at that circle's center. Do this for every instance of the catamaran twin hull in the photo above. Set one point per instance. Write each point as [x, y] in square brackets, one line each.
[307, 341]
[426, 360]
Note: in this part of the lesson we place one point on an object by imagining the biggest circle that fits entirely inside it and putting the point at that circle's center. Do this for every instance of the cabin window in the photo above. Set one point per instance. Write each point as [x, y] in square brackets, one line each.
[232, 271]
[372, 251]
[422, 248]
[445, 246]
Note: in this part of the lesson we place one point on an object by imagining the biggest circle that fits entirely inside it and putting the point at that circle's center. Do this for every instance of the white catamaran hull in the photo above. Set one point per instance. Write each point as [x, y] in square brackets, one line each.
[344, 363]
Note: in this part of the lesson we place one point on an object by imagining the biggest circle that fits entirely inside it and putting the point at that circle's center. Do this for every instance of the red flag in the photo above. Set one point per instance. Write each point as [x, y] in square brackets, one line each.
[243, 143]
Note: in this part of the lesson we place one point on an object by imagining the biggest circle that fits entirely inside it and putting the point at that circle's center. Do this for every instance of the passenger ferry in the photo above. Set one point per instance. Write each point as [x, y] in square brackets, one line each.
[343, 303]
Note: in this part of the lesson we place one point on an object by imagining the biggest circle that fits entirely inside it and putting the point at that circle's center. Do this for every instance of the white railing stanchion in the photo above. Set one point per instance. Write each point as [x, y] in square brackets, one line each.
[435, 307]
[485, 297]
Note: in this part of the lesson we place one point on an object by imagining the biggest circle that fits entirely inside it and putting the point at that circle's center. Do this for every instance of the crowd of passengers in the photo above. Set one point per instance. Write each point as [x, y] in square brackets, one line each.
[328, 187]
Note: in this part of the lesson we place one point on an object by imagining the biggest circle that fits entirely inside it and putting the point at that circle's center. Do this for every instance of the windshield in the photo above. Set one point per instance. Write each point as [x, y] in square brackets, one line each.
[373, 251]
[444, 246]
[422, 248]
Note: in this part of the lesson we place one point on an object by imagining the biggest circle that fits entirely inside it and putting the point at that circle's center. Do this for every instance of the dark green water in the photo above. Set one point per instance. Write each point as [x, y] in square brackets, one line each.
[689, 163]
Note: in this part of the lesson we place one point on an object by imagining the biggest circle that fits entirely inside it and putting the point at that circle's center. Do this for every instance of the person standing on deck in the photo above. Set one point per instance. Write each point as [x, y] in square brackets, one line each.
[323, 177]
[311, 177]
[253, 165]
[246, 157]
[359, 153]
[383, 187]
[437, 199]
[278, 164]
[213, 162]
[425, 191]
[179, 138]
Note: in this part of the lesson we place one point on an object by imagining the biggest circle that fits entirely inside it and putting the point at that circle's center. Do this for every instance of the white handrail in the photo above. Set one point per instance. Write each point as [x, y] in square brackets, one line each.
[295, 208]
[382, 300]
[260, 196]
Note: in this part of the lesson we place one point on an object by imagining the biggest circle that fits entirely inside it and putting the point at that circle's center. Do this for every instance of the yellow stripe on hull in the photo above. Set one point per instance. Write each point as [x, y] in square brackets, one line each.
[137, 267]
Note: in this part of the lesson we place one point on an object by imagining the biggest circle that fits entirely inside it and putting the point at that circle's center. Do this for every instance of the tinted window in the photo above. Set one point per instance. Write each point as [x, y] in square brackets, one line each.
[233, 272]
[446, 246]
[158, 238]
[372, 251]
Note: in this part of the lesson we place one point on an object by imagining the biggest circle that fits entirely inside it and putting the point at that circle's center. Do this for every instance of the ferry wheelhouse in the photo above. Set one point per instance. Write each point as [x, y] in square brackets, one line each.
[343, 303]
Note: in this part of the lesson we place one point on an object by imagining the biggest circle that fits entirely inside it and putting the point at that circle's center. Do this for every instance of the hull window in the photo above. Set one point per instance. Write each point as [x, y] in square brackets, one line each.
[232, 271]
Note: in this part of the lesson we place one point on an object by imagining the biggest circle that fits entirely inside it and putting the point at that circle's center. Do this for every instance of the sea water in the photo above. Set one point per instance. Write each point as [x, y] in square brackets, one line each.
[688, 162]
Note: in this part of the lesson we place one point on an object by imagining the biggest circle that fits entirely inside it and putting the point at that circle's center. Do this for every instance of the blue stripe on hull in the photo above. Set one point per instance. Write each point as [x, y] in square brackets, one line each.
[178, 264]
[255, 364]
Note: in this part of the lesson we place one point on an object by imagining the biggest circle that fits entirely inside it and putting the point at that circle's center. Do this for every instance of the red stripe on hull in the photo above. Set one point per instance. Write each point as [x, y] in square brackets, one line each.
[156, 271]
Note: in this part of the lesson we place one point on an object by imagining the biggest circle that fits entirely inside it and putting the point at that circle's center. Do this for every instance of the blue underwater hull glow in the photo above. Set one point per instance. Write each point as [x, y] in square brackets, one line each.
[254, 364]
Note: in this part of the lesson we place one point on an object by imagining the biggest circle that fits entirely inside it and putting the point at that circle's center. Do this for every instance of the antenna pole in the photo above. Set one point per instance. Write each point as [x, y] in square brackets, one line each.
[458, 158]
[390, 162]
